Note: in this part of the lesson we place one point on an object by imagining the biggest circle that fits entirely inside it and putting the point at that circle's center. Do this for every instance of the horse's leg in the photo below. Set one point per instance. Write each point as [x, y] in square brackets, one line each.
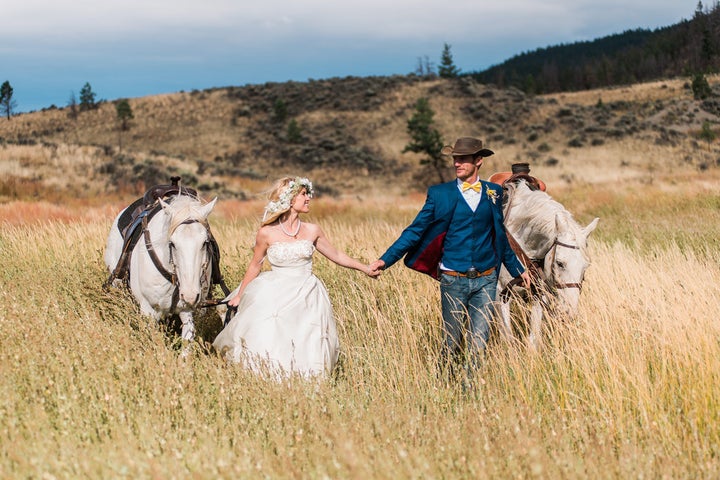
[113, 246]
[146, 308]
[505, 322]
[188, 326]
[536, 315]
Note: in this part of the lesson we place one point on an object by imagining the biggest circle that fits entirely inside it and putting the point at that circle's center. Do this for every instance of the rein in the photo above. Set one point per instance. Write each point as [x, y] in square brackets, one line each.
[537, 277]
[170, 277]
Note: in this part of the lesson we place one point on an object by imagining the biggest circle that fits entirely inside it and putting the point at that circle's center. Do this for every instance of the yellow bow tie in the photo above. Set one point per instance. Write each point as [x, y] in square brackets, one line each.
[475, 186]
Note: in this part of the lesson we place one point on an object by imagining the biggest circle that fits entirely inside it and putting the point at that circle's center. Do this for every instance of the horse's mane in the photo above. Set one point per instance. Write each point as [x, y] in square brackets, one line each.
[537, 210]
[182, 208]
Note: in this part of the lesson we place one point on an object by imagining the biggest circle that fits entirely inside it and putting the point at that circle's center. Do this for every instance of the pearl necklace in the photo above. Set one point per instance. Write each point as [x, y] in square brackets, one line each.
[294, 235]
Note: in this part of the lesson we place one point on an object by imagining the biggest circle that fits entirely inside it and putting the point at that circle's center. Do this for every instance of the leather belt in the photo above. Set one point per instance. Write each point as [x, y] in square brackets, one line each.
[472, 273]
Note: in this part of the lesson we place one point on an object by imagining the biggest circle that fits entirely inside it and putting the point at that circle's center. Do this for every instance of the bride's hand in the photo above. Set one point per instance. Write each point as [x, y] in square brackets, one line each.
[233, 302]
[372, 272]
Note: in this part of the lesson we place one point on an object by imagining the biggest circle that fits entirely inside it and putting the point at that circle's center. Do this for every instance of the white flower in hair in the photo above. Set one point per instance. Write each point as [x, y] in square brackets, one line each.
[283, 202]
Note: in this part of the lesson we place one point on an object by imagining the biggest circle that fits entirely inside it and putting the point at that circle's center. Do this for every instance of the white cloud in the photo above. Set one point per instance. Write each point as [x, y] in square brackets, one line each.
[383, 19]
[167, 45]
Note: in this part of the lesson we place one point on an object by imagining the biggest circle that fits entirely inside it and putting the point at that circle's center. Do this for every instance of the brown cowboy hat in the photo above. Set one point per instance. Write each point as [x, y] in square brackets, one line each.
[466, 146]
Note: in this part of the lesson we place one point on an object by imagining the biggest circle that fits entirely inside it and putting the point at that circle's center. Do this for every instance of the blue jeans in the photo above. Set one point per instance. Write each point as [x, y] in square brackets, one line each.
[467, 307]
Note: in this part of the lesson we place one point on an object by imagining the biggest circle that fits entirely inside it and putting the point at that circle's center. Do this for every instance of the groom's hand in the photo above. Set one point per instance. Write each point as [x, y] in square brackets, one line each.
[377, 266]
[526, 279]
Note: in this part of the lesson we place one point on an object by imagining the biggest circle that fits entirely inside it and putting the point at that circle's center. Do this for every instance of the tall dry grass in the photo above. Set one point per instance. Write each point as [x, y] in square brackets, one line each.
[629, 388]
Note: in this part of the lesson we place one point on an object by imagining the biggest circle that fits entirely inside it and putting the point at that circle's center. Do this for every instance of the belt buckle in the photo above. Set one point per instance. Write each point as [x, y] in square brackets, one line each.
[472, 273]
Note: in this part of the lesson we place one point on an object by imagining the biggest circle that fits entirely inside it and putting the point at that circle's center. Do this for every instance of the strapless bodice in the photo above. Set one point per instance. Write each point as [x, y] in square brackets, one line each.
[291, 255]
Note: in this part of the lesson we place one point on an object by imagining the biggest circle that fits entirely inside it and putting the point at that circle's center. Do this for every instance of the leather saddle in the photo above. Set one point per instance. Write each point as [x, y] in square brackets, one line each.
[132, 217]
[520, 171]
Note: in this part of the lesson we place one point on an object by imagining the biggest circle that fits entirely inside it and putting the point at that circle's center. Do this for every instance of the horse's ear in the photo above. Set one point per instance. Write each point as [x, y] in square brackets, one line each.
[561, 223]
[163, 204]
[207, 208]
[589, 229]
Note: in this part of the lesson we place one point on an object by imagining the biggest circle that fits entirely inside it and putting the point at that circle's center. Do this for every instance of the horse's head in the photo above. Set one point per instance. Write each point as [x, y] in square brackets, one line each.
[189, 244]
[566, 262]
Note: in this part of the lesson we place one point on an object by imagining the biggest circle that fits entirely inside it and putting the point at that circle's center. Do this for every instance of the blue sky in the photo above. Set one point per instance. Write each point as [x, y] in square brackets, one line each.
[132, 48]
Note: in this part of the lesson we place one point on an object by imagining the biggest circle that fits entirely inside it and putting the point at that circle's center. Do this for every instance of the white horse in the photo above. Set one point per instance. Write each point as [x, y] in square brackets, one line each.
[170, 267]
[554, 247]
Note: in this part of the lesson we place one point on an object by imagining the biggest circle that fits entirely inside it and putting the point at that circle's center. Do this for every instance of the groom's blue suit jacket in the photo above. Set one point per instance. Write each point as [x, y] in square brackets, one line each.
[422, 243]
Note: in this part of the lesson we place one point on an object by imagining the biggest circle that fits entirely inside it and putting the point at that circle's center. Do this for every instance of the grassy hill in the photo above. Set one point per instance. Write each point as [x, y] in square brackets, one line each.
[349, 136]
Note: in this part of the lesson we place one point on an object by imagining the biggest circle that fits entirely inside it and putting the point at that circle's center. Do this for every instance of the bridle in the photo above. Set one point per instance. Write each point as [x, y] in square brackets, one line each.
[553, 248]
[536, 266]
[171, 274]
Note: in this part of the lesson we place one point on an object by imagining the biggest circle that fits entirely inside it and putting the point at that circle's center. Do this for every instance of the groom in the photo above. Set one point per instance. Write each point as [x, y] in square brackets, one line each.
[458, 238]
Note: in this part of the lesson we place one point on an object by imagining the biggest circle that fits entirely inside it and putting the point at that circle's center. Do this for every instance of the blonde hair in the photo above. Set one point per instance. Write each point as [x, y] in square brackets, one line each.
[282, 195]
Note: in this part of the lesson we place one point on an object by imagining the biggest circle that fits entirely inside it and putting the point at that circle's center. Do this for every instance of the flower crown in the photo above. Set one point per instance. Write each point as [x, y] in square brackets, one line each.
[282, 204]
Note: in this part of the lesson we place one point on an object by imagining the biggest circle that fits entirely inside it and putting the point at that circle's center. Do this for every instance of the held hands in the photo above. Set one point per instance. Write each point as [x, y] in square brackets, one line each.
[375, 268]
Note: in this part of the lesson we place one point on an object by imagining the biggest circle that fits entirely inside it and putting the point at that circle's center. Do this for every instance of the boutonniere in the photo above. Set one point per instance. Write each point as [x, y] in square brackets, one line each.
[492, 194]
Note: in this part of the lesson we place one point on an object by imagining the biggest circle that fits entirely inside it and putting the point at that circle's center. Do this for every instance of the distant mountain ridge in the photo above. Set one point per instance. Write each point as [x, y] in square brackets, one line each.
[641, 55]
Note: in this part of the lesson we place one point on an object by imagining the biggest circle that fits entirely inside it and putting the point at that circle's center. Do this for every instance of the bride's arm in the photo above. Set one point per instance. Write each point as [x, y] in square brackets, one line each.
[323, 245]
[253, 269]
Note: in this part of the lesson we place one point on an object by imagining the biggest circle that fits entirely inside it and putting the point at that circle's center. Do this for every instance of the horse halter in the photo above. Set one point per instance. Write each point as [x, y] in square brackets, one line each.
[170, 276]
[190, 221]
[553, 249]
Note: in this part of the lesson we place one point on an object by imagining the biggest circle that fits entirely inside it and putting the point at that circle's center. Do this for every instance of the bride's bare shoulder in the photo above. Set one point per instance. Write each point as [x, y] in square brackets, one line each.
[266, 234]
[312, 228]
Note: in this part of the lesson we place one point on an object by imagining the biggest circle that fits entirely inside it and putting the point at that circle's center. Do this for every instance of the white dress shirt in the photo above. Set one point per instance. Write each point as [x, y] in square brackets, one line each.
[471, 196]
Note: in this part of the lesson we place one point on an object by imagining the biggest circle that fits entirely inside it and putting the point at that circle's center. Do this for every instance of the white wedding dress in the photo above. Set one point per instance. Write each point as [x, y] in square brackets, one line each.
[284, 323]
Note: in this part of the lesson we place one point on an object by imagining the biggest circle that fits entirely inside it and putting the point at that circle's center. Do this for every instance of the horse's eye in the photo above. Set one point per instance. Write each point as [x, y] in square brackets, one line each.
[561, 265]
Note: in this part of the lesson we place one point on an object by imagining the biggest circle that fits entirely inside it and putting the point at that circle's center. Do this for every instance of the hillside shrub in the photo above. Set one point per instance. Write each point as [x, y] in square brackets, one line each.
[700, 87]
[544, 147]
[707, 133]
[711, 105]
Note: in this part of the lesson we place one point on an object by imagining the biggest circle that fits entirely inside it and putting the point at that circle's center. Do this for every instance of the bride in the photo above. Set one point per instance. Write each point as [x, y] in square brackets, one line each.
[284, 322]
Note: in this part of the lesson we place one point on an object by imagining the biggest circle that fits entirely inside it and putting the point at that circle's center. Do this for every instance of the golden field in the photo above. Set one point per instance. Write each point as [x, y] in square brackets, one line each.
[630, 388]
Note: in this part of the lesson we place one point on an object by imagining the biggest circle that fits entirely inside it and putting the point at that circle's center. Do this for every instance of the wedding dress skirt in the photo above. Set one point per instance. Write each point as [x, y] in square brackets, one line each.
[284, 322]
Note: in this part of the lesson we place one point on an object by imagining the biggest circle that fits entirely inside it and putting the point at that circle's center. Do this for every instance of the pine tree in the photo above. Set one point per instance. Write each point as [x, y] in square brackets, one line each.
[124, 115]
[7, 104]
[87, 98]
[425, 138]
[280, 110]
[447, 67]
[294, 132]
[700, 87]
